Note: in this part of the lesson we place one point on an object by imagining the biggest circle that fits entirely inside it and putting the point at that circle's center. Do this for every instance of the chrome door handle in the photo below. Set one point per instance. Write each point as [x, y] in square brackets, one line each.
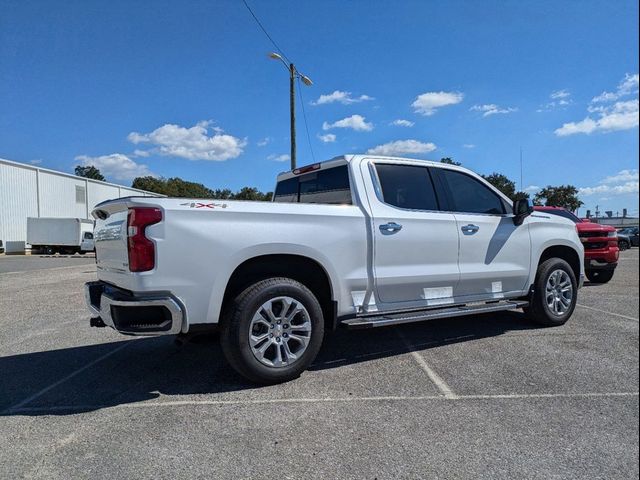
[470, 229]
[389, 228]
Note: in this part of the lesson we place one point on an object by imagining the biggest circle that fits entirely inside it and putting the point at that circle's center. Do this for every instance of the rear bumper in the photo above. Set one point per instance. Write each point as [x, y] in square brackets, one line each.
[132, 314]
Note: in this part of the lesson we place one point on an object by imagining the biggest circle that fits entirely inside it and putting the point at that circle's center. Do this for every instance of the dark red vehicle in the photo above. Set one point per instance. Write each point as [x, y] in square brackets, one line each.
[600, 245]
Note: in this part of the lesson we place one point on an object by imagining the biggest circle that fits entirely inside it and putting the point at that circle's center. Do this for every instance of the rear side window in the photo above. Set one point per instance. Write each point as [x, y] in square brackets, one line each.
[466, 194]
[325, 186]
[407, 186]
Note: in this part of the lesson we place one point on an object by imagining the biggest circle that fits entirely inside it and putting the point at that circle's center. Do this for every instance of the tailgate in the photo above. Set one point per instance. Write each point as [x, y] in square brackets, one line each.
[110, 236]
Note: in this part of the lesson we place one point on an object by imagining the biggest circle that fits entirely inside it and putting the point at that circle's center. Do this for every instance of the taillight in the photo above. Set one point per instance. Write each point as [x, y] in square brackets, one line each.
[142, 251]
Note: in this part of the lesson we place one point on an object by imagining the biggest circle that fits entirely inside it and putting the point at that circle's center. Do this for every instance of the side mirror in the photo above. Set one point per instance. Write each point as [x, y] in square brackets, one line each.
[522, 208]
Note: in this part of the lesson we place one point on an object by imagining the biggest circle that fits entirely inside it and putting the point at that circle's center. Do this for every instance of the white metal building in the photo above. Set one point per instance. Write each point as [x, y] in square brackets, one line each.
[29, 191]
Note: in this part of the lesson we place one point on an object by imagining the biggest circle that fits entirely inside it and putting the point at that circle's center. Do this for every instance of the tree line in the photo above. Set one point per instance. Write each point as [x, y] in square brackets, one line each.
[552, 196]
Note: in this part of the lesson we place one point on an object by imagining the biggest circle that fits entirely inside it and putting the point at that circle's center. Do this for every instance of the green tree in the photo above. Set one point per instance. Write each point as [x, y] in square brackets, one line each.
[502, 183]
[249, 193]
[177, 187]
[173, 187]
[562, 196]
[89, 172]
[521, 196]
[450, 161]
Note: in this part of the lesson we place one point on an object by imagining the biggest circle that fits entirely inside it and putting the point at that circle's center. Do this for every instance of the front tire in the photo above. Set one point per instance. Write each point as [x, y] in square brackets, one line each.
[273, 331]
[599, 276]
[555, 293]
[622, 245]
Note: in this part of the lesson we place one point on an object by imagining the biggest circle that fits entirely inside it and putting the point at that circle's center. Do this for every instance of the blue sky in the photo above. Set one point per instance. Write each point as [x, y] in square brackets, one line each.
[186, 88]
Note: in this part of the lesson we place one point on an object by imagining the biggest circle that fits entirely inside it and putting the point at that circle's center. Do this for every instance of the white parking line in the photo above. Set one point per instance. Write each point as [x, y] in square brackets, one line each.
[39, 270]
[608, 313]
[433, 376]
[64, 379]
[284, 401]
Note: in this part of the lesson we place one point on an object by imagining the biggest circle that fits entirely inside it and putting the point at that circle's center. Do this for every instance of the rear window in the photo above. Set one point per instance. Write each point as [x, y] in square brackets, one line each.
[324, 186]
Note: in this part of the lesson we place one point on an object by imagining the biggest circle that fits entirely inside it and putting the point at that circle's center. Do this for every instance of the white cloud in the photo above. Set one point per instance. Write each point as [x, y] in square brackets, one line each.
[623, 176]
[279, 158]
[402, 147]
[328, 138]
[264, 142]
[193, 143]
[492, 109]
[627, 86]
[559, 98]
[402, 123]
[339, 96]
[468, 145]
[622, 183]
[355, 122]
[116, 166]
[428, 103]
[37, 161]
[532, 189]
[558, 94]
[141, 153]
[619, 116]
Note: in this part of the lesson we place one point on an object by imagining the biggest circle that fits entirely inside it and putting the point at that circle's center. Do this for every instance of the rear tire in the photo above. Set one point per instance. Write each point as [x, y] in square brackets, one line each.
[622, 245]
[555, 293]
[600, 276]
[273, 331]
[48, 250]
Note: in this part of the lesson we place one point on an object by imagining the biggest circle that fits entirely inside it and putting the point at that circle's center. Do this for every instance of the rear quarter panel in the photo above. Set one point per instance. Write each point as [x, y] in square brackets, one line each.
[200, 243]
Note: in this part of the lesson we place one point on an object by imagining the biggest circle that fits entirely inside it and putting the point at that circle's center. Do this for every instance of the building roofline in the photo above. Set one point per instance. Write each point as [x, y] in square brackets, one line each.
[70, 175]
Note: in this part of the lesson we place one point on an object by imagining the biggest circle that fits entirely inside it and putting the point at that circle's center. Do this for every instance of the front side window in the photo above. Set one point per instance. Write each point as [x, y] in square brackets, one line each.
[324, 186]
[407, 186]
[466, 194]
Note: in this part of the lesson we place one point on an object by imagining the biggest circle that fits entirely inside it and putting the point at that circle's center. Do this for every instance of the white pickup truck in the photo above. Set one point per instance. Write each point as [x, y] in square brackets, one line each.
[358, 241]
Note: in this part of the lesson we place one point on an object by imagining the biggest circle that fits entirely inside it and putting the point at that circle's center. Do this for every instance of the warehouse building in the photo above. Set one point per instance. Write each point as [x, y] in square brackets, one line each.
[29, 191]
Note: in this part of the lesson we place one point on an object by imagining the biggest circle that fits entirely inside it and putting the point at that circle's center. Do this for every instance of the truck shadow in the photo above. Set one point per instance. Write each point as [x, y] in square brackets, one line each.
[92, 377]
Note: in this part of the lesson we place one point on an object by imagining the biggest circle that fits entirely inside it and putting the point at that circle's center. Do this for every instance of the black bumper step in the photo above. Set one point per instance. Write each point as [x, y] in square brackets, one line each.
[384, 320]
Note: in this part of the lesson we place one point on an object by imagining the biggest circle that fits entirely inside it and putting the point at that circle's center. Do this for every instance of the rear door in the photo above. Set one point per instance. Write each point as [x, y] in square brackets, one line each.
[415, 245]
[495, 253]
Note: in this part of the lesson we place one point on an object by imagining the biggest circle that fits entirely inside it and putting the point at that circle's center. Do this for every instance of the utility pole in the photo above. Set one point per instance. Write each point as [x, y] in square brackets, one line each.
[521, 183]
[292, 106]
[293, 74]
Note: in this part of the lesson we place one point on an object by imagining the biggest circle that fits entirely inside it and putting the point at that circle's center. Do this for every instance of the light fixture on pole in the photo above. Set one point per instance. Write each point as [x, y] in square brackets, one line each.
[293, 73]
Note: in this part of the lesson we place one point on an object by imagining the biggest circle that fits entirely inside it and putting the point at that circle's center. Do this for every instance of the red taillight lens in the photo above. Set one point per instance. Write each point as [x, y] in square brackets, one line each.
[142, 251]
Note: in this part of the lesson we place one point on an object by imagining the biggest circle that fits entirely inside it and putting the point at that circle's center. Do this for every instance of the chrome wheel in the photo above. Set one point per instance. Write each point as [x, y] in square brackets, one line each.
[280, 331]
[559, 292]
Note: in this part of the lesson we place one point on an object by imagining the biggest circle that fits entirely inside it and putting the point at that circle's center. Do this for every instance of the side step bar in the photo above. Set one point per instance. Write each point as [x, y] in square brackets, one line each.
[432, 314]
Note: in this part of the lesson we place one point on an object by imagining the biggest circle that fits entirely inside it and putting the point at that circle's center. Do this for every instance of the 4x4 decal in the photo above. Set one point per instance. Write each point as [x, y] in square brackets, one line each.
[211, 205]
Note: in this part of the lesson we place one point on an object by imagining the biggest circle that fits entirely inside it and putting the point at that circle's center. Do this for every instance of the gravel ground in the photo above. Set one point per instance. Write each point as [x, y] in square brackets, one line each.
[489, 396]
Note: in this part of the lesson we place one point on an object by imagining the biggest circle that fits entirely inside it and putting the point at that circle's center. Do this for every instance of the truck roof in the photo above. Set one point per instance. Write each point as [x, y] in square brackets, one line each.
[344, 159]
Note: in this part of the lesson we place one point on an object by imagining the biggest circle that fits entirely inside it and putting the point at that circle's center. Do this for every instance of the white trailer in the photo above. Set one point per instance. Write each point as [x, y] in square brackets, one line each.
[60, 235]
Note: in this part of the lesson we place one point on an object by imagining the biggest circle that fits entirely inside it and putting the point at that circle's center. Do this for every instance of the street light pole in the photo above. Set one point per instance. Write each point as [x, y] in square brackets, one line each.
[292, 107]
[293, 73]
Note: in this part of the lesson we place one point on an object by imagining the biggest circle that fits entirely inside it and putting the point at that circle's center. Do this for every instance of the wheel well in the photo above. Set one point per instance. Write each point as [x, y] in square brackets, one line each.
[302, 269]
[568, 254]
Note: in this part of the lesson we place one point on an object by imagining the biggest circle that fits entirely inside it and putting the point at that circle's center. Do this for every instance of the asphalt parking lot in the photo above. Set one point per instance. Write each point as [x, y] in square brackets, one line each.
[489, 396]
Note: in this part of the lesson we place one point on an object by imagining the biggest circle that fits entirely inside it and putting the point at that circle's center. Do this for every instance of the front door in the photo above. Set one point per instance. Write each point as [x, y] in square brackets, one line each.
[495, 254]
